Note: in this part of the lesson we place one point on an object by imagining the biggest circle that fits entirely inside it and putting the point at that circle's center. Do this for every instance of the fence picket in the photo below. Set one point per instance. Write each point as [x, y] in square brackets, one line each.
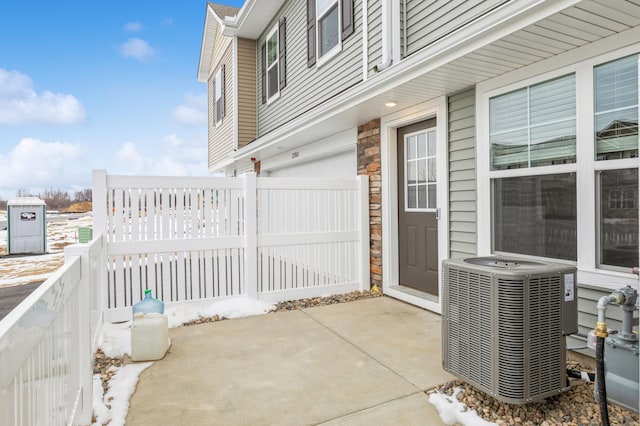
[295, 222]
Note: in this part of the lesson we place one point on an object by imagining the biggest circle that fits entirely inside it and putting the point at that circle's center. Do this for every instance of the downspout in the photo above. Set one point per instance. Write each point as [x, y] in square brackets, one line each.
[365, 40]
[387, 41]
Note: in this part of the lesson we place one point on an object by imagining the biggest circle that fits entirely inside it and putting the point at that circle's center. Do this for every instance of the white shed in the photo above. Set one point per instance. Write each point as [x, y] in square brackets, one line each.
[27, 225]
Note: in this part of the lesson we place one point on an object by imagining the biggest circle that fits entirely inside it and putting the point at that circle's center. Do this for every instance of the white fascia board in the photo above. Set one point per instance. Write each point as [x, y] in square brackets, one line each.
[505, 20]
[211, 22]
[252, 19]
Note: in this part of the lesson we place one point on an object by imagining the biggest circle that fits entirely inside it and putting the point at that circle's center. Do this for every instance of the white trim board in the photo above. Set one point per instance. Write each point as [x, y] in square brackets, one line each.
[388, 150]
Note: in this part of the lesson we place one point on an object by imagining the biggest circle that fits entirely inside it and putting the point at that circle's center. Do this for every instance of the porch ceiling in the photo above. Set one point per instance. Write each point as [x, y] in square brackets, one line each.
[425, 76]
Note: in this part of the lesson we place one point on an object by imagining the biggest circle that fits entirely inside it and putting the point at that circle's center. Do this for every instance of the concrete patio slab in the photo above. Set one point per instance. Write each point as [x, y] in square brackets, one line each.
[410, 410]
[333, 363]
[404, 338]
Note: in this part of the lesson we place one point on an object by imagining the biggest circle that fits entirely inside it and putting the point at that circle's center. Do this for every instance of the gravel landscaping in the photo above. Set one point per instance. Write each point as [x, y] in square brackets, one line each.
[576, 407]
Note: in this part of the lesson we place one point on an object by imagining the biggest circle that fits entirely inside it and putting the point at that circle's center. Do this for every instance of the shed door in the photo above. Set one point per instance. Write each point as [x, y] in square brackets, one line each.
[417, 209]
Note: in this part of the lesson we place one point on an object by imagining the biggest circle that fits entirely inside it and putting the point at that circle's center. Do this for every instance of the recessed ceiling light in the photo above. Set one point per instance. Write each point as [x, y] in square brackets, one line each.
[390, 104]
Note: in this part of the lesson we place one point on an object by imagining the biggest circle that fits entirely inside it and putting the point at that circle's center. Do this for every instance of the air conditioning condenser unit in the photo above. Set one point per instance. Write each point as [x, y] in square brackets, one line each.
[504, 325]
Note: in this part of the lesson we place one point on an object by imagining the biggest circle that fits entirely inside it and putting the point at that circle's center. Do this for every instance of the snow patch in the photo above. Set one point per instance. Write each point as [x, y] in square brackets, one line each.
[121, 387]
[452, 411]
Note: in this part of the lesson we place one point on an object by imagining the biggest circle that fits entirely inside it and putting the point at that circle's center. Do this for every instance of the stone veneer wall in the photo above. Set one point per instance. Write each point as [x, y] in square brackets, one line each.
[369, 164]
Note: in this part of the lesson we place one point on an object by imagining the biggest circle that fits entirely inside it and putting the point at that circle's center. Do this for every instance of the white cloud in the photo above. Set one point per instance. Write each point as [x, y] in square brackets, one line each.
[20, 103]
[175, 158]
[133, 27]
[36, 165]
[193, 111]
[130, 155]
[138, 49]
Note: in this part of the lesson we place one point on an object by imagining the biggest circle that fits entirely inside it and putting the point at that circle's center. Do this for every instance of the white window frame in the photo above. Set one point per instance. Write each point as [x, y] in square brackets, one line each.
[406, 172]
[217, 95]
[275, 63]
[338, 47]
[586, 167]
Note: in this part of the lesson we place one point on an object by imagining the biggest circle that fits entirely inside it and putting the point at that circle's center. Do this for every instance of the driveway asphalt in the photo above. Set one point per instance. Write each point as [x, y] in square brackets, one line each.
[354, 363]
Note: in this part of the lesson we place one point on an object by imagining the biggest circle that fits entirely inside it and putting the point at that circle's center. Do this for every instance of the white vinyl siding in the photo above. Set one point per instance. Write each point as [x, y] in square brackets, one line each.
[462, 174]
[309, 87]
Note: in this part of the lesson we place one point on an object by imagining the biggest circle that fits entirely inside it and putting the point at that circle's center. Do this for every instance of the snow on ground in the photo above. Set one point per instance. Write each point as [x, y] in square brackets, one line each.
[62, 230]
[115, 342]
[452, 411]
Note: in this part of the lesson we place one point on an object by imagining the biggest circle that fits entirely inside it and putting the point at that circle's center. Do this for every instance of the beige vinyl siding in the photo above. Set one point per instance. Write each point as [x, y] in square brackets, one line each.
[246, 91]
[308, 87]
[429, 21]
[462, 174]
[374, 29]
[221, 141]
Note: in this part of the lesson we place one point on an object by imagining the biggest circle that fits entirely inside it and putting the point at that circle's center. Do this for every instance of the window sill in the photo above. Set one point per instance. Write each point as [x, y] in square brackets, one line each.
[609, 280]
[273, 98]
[327, 56]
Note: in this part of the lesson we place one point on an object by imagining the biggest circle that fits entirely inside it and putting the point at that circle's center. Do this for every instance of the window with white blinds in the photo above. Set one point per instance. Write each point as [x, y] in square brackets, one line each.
[616, 109]
[534, 126]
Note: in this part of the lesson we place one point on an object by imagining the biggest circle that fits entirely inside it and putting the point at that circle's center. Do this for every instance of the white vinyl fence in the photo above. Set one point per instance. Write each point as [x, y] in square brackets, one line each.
[46, 346]
[198, 239]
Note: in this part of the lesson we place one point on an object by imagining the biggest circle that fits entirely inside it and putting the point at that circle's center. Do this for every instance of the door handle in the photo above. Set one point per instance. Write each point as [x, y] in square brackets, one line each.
[438, 213]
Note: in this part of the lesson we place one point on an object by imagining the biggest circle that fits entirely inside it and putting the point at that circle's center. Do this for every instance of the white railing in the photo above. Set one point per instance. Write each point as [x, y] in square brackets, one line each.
[198, 239]
[46, 346]
[191, 240]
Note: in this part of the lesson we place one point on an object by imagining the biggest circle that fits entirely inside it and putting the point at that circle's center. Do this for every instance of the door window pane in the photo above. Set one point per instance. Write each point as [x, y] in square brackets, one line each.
[618, 234]
[616, 109]
[422, 196]
[432, 196]
[536, 215]
[412, 202]
[411, 147]
[420, 170]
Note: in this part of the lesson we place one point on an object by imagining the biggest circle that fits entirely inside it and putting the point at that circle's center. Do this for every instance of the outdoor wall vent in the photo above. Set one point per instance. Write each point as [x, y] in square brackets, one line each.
[504, 323]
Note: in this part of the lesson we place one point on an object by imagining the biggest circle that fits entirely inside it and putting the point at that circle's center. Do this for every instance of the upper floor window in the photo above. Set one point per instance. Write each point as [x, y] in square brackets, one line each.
[273, 67]
[329, 23]
[272, 64]
[219, 94]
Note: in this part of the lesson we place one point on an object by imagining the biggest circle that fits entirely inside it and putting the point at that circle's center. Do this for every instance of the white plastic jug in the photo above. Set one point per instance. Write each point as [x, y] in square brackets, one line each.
[149, 336]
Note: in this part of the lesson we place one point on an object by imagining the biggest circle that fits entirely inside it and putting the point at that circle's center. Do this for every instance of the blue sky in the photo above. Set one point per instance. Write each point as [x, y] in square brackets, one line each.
[110, 85]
